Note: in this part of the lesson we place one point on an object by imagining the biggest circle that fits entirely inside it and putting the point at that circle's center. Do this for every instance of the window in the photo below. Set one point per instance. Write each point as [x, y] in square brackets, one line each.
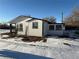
[35, 25]
[51, 27]
[58, 27]
[20, 27]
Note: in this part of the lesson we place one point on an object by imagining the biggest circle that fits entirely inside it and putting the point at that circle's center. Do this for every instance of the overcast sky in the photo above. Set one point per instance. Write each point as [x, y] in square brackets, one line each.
[10, 9]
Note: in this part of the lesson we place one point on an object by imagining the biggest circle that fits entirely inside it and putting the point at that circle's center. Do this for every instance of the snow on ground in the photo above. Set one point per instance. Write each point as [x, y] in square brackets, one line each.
[4, 31]
[14, 48]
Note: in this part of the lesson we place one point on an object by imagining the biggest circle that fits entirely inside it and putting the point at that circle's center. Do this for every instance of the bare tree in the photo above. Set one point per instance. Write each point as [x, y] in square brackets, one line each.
[73, 19]
[51, 19]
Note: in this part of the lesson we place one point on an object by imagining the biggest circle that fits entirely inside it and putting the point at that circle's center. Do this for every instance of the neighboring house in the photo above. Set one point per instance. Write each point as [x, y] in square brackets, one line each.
[31, 26]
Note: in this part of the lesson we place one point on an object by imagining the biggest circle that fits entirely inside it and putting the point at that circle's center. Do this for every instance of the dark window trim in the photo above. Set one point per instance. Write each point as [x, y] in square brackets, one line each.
[52, 27]
[20, 27]
[35, 25]
[59, 28]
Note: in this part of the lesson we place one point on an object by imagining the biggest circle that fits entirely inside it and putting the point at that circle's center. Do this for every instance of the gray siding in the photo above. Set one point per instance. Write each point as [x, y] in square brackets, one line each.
[45, 28]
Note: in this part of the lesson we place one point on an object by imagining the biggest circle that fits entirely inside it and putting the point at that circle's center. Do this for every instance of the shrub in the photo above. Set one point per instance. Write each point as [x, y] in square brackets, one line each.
[44, 40]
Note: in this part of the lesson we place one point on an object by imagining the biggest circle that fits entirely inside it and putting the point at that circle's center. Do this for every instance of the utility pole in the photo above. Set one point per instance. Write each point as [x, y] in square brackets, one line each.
[63, 27]
[62, 16]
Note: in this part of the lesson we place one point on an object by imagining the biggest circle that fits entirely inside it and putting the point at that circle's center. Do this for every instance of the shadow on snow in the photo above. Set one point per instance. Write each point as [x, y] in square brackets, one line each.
[20, 55]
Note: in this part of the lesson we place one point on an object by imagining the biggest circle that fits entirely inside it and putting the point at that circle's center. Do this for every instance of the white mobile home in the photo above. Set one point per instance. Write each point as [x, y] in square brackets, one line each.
[31, 26]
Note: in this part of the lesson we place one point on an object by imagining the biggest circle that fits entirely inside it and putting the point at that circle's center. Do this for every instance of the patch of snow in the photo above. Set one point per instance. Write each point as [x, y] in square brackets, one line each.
[53, 48]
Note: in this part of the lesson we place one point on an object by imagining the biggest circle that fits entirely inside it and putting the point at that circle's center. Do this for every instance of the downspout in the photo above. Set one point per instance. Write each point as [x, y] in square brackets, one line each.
[10, 28]
[63, 28]
[42, 29]
[27, 30]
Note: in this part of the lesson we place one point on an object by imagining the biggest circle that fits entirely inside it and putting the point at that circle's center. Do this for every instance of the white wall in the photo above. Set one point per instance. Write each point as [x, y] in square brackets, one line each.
[31, 31]
[25, 24]
[35, 32]
[56, 32]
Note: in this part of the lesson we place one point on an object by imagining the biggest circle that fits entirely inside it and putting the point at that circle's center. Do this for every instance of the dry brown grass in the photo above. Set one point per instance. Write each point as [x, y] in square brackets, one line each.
[33, 39]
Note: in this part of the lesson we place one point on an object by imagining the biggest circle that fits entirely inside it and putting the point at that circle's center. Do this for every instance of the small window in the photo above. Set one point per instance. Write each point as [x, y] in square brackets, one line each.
[35, 25]
[20, 27]
[51, 27]
[58, 27]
